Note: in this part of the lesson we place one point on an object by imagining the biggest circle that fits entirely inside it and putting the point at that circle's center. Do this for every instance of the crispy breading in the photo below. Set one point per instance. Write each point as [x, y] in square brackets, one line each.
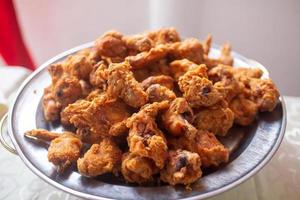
[64, 148]
[178, 118]
[145, 138]
[100, 159]
[163, 80]
[183, 168]
[122, 84]
[157, 93]
[199, 90]
[216, 119]
[138, 169]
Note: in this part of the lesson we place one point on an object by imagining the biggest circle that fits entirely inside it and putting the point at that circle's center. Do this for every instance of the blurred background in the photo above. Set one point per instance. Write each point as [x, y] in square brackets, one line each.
[267, 31]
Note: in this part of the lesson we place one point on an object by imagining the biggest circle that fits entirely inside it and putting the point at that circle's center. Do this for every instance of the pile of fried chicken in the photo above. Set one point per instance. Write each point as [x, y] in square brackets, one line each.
[149, 105]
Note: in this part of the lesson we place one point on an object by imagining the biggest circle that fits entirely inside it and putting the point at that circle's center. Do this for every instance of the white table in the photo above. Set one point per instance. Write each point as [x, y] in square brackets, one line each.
[278, 180]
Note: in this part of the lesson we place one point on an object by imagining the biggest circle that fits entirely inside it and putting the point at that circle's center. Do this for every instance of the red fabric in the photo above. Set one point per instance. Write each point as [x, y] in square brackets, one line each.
[12, 47]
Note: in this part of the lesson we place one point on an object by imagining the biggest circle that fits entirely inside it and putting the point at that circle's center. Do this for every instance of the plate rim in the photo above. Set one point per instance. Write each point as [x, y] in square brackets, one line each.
[57, 185]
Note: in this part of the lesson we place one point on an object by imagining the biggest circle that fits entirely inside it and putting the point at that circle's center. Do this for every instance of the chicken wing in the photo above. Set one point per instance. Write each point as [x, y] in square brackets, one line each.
[64, 148]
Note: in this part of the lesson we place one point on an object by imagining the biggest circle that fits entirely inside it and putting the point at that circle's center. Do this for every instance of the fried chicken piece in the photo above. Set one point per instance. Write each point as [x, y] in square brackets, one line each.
[224, 58]
[265, 94]
[94, 94]
[96, 117]
[118, 129]
[197, 89]
[137, 43]
[244, 110]
[240, 72]
[207, 44]
[112, 45]
[121, 83]
[210, 150]
[216, 119]
[148, 57]
[190, 49]
[99, 75]
[145, 138]
[42, 134]
[164, 36]
[80, 64]
[64, 148]
[50, 106]
[100, 159]
[67, 90]
[163, 80]
[157, 93]
[138, 169]
[178, 118]
[67, 86]
[183, 168]
[180, 67]
[225, 76]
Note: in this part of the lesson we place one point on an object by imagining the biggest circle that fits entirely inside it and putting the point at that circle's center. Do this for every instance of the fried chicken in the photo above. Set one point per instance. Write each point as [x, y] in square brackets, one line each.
[216, 119]
[99, 75]
[164, 36]
[138, 43]
[122, 84]
[157, 93]
[197, 89]
[64, 148]
[145, 138]
[183, 168]
[224, 58]
[225, 76]
[244, 110]
[163, 80]
[190, 49]
[178, 118]
[180, 67]
[51, 107]
[212, 153]
[161, 100]
[100, 159]
[94, 118]
[148, 57]
[112, 45]
[264, 93]
[138, 169]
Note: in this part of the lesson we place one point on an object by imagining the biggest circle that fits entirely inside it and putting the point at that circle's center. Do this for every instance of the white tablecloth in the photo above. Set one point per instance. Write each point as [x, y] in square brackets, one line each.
[278, 180]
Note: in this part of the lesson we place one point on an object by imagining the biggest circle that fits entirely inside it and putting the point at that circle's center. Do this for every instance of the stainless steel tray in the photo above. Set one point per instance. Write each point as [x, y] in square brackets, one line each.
[252, 147]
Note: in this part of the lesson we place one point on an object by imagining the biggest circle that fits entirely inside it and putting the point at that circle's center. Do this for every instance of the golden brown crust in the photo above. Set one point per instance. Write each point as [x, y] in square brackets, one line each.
[178, 118]
[122, 84]
[100, 159]
[217, 119]
[145, 138]
[197, 89]
[163, 80]
[157, 93]
[137, 169]
[183, 168]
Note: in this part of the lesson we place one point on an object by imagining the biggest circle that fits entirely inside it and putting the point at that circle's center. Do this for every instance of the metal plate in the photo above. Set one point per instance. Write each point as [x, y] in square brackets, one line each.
[252, 147]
